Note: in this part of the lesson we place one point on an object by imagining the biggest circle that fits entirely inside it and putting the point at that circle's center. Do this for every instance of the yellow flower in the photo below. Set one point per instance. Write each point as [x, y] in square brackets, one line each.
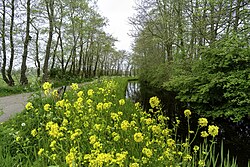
[137, 105]
[138, 137]
[186, 144]
[213, 130]
[165, 132]
[196, 148]
[107, 105]
[187, 113]
[170, 143]
[29, 106]
[47, 86]
[53, 129]
[34, 132]
[114, 116]
[89, 102]
[122, 102]
[97, 145]
[55, 93]
[154, 102]
[80, 94]
[92, 139]
[74, 86]
[120, 157]
[40, 151]
[202, 122]
[70, 157]
[99, 106]
[134, 165]
[60, 103]
[53, 156]
[201, 163]
[147, 152]
[148, 121]
[187, 157]
[47, 107]
[125, 125]
[53, 143]
[90, 92]
[156, 129]
[204, 134]
[117, 137]
[65, 122]
[18, 138]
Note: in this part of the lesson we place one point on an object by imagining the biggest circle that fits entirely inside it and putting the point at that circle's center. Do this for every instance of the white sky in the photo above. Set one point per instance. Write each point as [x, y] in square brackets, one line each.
[117, 12]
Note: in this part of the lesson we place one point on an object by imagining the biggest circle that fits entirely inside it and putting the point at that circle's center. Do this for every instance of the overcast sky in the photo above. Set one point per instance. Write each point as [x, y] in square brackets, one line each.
[117, 12]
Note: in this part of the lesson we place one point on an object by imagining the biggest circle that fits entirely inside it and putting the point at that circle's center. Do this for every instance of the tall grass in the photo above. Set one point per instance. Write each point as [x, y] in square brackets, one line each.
[94, 125]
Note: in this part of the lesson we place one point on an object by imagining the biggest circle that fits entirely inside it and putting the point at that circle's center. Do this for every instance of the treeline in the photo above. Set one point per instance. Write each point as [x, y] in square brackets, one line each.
[60, 37]
[198, 49]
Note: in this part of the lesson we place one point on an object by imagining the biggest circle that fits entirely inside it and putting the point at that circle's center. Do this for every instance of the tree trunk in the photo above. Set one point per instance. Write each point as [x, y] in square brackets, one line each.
[37, 55]
[50, 12]
[9, 71]
[4, 45]
[54, 54]
[237, 15]
[81, 56]
[23, 78]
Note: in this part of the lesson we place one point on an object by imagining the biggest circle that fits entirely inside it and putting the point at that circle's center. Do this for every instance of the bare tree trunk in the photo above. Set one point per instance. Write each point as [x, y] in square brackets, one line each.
[237, 15]
[50, 12]
[97, 59]
[37, 61]
[9, 71]
[4, 45]
[81, 56]
[54, 54]
[37, 55]
[23, 78]
[62, 52]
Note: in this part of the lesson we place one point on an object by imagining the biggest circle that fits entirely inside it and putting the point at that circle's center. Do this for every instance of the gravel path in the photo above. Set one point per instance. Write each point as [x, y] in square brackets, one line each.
[13, 104]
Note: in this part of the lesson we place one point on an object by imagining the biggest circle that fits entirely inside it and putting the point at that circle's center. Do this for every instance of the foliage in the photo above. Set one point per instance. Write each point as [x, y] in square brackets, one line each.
[218, 84]
[94, 126]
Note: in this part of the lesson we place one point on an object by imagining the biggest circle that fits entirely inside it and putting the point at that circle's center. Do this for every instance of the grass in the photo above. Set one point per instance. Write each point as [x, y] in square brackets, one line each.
[34, 85]
[95, 126]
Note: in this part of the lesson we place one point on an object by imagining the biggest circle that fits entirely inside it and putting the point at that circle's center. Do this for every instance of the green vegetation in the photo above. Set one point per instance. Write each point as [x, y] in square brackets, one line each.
[218, 85]
[93, 125]
[198, 50]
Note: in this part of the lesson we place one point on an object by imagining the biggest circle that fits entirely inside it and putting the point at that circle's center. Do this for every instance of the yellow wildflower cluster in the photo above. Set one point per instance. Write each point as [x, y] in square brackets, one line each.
[187, 113]
[92, 127]
[29, 106]
[74, 86]
[154, 102]
[47, 87]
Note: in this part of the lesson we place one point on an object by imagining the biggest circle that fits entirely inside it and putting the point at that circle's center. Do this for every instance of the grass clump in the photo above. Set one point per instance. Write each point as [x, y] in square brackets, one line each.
[93, 125]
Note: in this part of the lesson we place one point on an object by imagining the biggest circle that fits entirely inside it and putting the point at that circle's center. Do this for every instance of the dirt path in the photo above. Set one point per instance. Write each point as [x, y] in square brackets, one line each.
[10, 105]
[13, 104]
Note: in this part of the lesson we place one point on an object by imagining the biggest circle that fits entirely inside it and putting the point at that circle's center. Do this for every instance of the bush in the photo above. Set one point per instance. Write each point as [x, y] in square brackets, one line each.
[218, 84]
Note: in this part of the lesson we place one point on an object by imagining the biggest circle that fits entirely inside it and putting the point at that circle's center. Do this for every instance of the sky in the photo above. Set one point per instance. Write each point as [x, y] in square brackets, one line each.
[117, 12]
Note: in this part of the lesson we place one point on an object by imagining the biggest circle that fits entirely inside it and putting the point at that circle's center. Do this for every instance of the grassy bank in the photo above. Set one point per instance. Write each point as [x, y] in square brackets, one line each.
[94, 125]
[34, 85]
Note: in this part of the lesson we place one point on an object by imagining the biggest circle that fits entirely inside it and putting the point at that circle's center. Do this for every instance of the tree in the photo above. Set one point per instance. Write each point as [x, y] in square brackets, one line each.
[50, 12]
[12, 52]
[23, 78]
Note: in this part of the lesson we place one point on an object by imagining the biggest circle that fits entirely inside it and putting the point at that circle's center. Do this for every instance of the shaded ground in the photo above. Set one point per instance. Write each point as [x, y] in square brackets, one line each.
[13, 104]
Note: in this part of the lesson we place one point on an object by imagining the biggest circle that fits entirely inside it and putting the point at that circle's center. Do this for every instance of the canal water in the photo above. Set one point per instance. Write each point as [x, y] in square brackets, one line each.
[235, 136]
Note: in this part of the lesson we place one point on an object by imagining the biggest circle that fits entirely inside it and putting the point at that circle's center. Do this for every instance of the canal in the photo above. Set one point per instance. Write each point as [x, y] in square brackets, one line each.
[235, 136]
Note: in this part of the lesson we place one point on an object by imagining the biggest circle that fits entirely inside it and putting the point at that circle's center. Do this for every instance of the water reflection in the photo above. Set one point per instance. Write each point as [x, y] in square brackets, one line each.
[235, 136]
